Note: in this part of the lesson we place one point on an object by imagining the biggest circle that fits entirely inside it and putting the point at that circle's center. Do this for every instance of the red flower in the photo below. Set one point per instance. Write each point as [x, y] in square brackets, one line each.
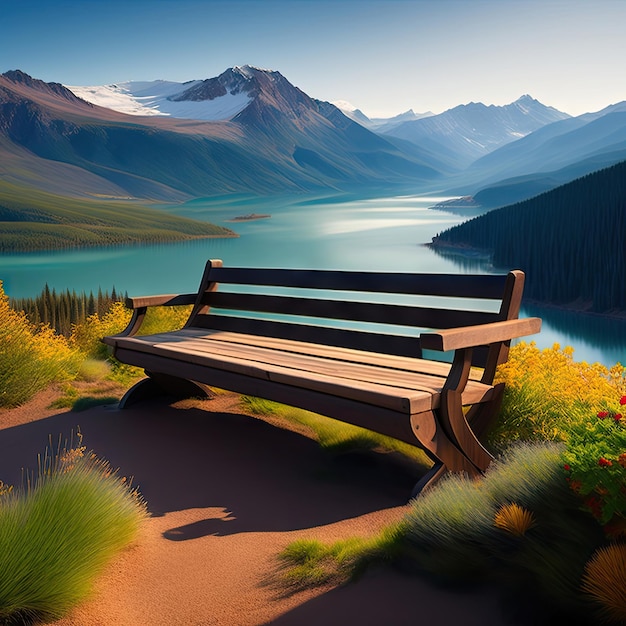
[567, 468]
[602, 462]
[617, 417]
[603, 414]
[622, 400]
[595, 505]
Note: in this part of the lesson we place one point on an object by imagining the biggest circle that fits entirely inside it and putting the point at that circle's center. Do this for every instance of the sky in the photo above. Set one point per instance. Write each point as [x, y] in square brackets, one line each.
[382, 56]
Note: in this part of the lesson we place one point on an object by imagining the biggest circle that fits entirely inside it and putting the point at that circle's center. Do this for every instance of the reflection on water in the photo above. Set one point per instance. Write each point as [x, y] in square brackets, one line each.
[595, 338]
[600, 335]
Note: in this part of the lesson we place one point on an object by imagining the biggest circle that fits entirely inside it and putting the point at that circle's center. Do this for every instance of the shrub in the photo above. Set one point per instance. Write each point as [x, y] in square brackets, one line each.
[58, 531]
[31, 357]
[546, 391]
[87, 335]
[595, 465]
[310, 563]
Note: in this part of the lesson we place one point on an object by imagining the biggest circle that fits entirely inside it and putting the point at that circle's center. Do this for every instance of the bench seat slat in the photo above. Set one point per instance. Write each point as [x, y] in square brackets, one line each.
[353, 370]
[394, 388]
[400, 400]
[408, 364]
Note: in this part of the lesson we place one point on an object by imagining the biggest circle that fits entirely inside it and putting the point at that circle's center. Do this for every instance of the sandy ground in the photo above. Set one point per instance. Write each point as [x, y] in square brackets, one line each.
[227, 492]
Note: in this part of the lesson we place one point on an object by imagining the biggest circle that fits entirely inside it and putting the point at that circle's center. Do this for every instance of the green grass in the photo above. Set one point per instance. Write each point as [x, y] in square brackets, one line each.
[36, 220]
[59, 531]
[333, 435]
[450, 535]
[310, 563]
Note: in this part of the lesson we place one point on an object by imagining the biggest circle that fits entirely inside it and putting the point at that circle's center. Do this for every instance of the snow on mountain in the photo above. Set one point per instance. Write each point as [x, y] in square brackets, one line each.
[344, 105]
[161, 97]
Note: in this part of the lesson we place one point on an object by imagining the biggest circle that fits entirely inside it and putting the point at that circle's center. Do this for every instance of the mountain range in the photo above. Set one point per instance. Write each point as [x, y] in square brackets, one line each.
[251, 130]
[276, 139]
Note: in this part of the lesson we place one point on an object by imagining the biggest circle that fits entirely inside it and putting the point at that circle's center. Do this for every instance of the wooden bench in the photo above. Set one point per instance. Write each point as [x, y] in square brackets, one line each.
[349, 345]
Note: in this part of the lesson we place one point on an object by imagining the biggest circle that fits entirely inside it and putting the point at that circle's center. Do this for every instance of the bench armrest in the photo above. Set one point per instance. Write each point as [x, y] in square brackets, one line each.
[162, 300]
[480, 334]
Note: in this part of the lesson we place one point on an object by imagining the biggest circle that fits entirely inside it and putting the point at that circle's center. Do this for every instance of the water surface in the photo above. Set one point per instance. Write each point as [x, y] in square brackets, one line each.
[385, 234]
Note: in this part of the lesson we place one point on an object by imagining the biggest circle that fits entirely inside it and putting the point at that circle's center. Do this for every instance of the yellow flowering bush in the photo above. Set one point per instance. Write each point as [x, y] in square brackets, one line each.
[546, 391]
[86, 336]
[31, 357]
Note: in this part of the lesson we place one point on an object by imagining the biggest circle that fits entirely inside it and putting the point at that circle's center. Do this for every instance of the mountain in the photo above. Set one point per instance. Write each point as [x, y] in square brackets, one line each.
[552, 155]
[556, 146]
[379, 124]
[276, 139]
[569, 241]
[219, 98]
[469, 131]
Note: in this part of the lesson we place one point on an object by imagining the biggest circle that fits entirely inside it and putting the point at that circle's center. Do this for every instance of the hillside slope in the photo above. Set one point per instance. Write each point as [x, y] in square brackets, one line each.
[570, 241]
[36, 220]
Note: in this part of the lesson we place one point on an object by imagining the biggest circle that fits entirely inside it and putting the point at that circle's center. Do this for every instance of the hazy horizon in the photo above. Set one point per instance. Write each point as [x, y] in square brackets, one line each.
[383, 57]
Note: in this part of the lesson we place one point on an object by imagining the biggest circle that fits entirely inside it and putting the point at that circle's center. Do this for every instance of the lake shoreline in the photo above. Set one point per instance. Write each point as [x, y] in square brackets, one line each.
[471, 253]
[131, 244]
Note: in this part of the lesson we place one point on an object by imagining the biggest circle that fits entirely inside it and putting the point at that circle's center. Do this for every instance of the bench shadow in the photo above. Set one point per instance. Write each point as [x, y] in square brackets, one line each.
[259, 477]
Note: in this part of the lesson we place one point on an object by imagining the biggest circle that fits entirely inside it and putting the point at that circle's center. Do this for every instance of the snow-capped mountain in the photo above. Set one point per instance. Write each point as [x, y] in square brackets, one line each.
[213, 99]
[251, 131]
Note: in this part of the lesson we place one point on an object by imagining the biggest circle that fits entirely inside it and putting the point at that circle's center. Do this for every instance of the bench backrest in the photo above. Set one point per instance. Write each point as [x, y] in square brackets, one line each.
[375, 311]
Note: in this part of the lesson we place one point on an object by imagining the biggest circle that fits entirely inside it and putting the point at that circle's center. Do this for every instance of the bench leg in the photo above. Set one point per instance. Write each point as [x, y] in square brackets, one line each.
[480, 416]
[451, 413]
[163, 385]
[447, 456]
[429, 479]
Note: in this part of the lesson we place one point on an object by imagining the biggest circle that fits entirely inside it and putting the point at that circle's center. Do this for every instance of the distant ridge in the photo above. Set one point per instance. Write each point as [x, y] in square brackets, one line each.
[472, 130]
[569, 241]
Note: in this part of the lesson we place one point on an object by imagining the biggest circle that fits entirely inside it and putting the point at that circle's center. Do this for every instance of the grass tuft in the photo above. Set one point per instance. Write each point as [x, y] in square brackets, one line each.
[59, 530]
[514, 519]
[604, 578]
[310, 563]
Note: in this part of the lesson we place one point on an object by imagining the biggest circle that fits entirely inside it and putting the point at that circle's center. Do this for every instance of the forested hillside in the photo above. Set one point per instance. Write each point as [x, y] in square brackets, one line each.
[570, 241]
[62, 310]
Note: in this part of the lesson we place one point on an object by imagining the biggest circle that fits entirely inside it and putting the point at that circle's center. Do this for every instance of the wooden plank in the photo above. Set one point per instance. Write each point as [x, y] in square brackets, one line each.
[171, 299]
[355, 372]
[340, 337]
[373, 312]
[397, 399]
[376, 418]
[263, 362]
[381, 343]
[454, 285]
[435, 368]
[408, 364]
[455, 338]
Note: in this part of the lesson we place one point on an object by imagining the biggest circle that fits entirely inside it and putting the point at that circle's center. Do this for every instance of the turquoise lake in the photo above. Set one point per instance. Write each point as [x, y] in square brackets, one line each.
[385, 234]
